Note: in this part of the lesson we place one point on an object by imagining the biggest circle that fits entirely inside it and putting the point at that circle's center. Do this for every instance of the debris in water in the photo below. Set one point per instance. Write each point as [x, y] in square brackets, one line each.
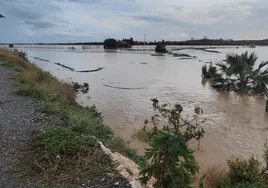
[64, 66]
[40, 59]
[157, 55]
[184, 58]
[181, 55]
[121, 87]
[43, 60]
[212, 51]
[93, 70]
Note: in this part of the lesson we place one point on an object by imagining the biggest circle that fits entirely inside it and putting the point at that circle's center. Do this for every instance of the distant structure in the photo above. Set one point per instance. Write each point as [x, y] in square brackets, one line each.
[111, 43]
[1, 16]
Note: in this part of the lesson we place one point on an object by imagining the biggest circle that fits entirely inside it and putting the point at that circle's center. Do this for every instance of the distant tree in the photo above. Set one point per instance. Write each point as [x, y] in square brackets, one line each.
[110, 43]
[131, 41]
[161, 47]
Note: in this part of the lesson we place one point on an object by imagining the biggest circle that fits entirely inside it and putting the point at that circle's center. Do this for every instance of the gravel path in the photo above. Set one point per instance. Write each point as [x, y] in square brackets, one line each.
[19, 118]
[17, 115]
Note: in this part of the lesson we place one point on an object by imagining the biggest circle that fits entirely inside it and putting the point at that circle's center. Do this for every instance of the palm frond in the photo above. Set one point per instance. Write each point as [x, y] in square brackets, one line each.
[223, 67]
[263, 64]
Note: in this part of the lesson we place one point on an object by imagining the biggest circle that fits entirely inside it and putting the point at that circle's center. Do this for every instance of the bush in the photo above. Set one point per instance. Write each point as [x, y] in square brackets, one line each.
[243, 171]
[172, 162]
[21, 54]
[241, 185]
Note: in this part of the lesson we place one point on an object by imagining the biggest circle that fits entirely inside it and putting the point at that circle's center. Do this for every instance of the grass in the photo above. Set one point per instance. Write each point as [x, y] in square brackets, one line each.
[5, 63]
[215, 175]
[62, 153]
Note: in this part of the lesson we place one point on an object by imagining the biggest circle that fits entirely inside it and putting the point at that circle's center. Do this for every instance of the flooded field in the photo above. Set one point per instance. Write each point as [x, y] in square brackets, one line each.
[122, 83]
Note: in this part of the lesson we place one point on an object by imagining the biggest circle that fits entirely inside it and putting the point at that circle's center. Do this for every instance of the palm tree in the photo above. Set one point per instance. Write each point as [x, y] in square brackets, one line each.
[1, 16]
[209, 71]
[259, 77]
[238, 69]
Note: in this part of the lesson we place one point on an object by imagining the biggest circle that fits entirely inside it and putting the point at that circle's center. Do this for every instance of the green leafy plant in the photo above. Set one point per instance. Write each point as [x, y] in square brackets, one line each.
[172, 162]
[188, 127]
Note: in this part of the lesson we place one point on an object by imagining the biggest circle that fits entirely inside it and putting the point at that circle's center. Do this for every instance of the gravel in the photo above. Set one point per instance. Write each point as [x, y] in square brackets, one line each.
[20, 117]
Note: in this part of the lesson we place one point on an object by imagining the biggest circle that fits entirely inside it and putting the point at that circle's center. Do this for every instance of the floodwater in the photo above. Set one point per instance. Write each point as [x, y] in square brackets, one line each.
[122, 91]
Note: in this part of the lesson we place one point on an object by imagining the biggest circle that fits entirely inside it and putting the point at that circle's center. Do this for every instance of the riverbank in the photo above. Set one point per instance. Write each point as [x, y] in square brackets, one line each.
[48, 138]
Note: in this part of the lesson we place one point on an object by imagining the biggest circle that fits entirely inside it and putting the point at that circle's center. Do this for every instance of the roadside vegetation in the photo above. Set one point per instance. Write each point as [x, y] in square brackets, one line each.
[238, 73]
[68, 152]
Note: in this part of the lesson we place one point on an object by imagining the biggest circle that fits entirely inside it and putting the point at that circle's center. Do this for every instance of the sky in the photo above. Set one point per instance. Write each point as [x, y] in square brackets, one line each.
[95, 20]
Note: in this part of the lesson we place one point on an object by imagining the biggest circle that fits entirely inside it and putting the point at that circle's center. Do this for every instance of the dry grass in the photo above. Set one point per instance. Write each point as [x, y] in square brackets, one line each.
[42, 81]
[13, 58]
[215, 174]
[33, 79]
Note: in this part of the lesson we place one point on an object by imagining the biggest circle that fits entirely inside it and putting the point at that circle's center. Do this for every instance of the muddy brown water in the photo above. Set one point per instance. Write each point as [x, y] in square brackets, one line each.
[235, 125]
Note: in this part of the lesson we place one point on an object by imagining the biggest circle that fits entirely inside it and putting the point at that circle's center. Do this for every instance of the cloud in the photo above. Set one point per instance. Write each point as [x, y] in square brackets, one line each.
[176, 36]
[83, 20]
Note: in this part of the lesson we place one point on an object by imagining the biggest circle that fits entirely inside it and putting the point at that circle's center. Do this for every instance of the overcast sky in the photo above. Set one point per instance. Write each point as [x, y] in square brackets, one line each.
[95, 20]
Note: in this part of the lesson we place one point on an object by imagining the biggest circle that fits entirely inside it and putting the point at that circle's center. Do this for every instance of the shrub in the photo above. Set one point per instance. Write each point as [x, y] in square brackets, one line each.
[21, 54]
[189, 127]
[172, 162]
[243, 171]
[240, 185]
